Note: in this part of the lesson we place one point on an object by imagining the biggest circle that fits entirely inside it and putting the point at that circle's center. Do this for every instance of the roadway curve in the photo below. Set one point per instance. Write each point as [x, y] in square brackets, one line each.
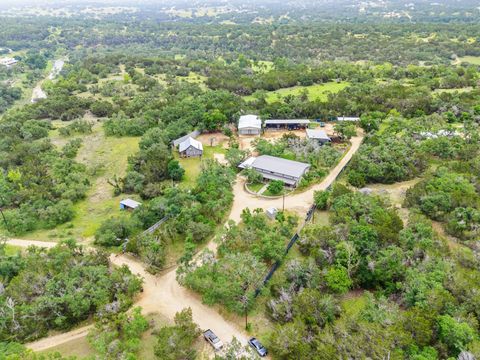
[163, 294]
[298, 202]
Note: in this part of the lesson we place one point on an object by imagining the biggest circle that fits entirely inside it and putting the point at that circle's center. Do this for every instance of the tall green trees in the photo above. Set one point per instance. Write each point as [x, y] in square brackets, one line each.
[176, 342]
[58, 288]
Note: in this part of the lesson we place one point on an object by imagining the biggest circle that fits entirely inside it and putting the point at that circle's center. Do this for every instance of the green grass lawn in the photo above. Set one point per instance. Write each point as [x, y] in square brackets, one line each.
[79, 348]
[474, 60]
[450, 91]
[149, 340]
[12, 250]
[256, 187]
[193, 166]
[315, 92]
[104, 157]
[321, 218]
[194, 78]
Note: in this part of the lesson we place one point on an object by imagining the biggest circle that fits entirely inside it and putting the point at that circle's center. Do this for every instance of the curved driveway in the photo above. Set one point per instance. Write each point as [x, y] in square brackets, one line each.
[163, 294]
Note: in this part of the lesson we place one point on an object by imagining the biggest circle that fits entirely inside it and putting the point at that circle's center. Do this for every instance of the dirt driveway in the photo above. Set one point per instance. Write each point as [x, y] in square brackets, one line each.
[298, 202]
[161, 293]
[164, 294]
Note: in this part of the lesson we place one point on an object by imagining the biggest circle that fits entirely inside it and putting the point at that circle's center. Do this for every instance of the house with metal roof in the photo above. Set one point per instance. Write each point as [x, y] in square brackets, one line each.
[289, 124]
[249, 125]
[190, 148]
[129, 204]
[193, 134]
[318, 135]
[275, 168]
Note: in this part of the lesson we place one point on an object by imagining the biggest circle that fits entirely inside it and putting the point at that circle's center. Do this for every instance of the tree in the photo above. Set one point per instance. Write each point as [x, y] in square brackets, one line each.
[456, 335]
[345, 130]
[176, 342]
[101, 108]
[118, 337]
[320, 199]
[114, 231]
[235, 156]
[337, 279]
[175, 171]
[275, 187]
[253, 176]
[214, 120]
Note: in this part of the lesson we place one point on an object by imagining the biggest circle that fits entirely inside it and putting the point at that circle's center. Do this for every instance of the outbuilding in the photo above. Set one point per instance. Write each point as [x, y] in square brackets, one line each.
[275, 168]
[249, 125]
[129, 204]
[272, 213]
[190, 148]
[8, 62]
[193, 134]
[348, 118]
[289, 124]
[318, 135]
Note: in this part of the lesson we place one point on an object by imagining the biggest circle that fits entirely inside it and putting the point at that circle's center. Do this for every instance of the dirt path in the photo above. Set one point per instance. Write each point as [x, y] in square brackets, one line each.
[299, 202]
[164, 294]
[161, 294]
[38, 93]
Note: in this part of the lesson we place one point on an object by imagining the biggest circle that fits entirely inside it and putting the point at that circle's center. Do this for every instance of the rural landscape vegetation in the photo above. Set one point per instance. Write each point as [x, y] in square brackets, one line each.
[302, 175]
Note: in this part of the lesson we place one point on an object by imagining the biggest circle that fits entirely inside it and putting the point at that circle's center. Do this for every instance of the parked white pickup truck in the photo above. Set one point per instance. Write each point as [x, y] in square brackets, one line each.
[213, 339]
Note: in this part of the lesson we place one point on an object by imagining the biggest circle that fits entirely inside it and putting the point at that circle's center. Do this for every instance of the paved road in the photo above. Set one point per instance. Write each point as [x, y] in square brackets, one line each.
[163, 293]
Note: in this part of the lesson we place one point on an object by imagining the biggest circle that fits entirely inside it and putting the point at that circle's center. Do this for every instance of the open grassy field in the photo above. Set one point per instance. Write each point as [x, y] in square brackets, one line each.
[474, 60]
[450, 91]
[194, 78]
[314, 92]
[104, 158]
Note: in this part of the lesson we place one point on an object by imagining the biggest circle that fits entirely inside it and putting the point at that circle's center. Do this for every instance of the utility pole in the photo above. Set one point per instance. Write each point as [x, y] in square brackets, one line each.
[283, 208]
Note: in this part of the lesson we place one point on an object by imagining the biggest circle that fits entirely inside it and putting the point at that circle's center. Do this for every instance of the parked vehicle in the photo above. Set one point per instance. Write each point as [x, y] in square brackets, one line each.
[258, 347]
[213, 339]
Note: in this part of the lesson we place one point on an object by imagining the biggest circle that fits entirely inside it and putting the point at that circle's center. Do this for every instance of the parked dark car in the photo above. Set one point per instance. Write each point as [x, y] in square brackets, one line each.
[213, 339]
[258, 347]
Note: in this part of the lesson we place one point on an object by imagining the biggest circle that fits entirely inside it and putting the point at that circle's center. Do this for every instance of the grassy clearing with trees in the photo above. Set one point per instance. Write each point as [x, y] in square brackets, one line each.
[312, 92]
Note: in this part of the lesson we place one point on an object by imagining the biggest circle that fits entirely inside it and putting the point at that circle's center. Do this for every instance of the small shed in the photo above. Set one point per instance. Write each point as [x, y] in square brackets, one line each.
[272, 213]
[190, 148]
[318, 135]
[129, 204]
[249, 125]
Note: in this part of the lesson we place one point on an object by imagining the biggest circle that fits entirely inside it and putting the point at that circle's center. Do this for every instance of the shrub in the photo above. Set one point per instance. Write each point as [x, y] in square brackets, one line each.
[275, 187]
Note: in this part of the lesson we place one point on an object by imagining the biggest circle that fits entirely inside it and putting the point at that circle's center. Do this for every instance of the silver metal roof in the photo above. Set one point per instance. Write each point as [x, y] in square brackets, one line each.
[190, 142]
[317, 134]
[348, 118]
[287, 121]
[193, 134]
[267, 163]
[247, 121]
[130, 203]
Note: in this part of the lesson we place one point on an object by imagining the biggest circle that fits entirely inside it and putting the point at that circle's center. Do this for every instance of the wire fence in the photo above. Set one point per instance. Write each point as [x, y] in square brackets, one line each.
[155, 226]
[293, 240]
